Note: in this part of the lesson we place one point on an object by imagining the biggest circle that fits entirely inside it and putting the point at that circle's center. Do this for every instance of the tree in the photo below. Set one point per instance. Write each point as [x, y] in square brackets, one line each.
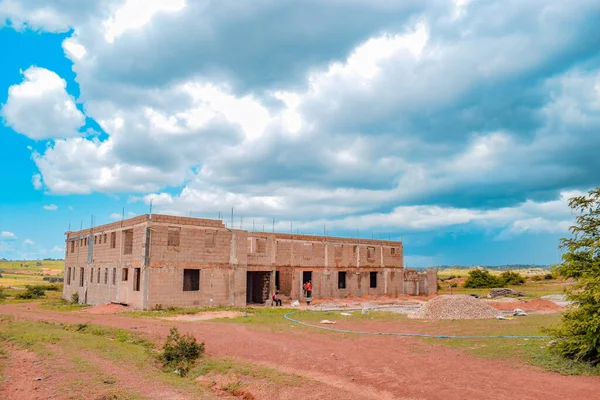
[578, 336]
[481, 279]
[511, 278]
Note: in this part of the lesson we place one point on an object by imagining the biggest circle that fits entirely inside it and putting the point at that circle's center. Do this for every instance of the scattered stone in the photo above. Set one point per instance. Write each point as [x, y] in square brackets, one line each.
[326, 321]
[39, 378]
[454, 307]
[500, 292]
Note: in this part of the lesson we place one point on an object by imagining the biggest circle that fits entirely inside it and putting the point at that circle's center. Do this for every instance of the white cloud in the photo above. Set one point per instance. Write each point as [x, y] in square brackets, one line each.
[36, 180]
[51, 207]
[28, 242]
[58, 249]
[115, 216]
[134, 14]
[41, 108]
[7, 235]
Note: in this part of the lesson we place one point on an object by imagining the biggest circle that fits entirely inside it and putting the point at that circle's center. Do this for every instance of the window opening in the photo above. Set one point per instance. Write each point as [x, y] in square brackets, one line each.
[128, 241]
[373, 280]
[341, 280]
[173, 236]
[136, 279]
[191, 280]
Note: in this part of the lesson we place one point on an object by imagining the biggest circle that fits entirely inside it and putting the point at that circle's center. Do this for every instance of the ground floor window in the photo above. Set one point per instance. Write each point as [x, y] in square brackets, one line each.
[191, 280]
[124, 274]
[341, 280]
[136, 279]
[373, 276]
[81, 277]
[69, 276]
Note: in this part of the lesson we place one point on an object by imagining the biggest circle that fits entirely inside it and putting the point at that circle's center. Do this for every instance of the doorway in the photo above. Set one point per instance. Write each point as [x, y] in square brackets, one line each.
[306, 277]
[257, 287]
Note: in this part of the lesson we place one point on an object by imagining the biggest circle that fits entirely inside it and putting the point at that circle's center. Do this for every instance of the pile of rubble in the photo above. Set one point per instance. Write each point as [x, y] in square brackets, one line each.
[455, 307]
[501, 292]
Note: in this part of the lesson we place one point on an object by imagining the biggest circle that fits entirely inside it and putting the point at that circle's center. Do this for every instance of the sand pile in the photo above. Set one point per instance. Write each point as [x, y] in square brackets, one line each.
[454, 307]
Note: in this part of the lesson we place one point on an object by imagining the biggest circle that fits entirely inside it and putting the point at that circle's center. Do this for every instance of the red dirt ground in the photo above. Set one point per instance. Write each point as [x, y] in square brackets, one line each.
[109, 308]
[356, 367]
[527, 305]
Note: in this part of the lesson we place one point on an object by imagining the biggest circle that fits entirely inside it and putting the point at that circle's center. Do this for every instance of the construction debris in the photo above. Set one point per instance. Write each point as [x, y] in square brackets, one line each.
[454, 307]
[500, 292]
[326, 321]
[520, 313]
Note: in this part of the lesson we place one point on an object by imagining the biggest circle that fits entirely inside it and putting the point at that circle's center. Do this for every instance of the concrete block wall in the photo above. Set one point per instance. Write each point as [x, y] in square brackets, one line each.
[223, 257]
[219, 286]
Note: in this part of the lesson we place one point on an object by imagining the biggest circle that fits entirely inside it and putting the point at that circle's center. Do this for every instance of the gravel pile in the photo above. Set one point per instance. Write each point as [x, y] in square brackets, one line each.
[455, 307]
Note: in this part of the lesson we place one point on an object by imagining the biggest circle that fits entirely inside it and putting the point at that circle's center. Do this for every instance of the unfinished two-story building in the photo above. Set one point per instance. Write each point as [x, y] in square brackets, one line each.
[160, 260]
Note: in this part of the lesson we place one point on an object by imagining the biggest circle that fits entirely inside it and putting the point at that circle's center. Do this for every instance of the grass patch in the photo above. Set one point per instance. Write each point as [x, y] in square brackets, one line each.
[61, 304]
[532, 289]
[229, 366]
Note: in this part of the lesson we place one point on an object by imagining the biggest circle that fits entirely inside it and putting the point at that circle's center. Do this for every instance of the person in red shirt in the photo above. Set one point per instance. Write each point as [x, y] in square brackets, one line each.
[308, 289]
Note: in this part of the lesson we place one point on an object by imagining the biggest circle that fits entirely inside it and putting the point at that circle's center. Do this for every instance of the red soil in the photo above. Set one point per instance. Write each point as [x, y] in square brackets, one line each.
[527, 305]
[110, 308]
[353, 366]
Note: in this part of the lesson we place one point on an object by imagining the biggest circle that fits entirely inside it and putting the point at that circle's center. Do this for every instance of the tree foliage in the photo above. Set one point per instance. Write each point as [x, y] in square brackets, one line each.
[578, 336]
[511, 278]
[481, 279]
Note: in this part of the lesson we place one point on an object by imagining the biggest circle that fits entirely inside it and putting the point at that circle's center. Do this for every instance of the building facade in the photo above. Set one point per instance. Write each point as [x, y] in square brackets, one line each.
[160, 260]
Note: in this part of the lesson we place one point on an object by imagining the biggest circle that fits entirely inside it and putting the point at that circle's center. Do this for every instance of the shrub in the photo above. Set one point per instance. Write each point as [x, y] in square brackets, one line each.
[481, 279]
[548, 277]
[53, 279]
[453, 284]
[511, 278]
[31, 292]
[2, 294]
[75, 298]
[1, 273]
[536, 278]
[180, 352]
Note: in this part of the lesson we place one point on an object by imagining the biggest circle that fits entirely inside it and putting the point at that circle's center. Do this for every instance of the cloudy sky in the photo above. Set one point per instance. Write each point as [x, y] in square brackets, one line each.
[462, 127]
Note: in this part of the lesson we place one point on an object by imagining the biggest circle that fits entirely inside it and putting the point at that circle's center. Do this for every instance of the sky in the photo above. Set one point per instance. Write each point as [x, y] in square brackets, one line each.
[460, 127]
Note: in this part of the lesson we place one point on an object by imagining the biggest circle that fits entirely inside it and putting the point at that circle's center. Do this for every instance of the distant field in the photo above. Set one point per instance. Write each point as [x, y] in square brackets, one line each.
[464, 272]
[21, 273]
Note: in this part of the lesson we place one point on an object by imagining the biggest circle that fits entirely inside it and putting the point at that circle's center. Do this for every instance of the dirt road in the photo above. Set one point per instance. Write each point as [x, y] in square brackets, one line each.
[355, 367]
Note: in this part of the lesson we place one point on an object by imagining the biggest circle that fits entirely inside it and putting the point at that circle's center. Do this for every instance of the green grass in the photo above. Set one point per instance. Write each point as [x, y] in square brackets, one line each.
[31, 265]
[124, 348]
[21, 273]
[229, 366]
[532, 289]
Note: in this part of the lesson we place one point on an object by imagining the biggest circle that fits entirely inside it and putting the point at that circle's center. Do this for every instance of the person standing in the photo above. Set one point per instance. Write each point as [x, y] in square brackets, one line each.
[308, 289]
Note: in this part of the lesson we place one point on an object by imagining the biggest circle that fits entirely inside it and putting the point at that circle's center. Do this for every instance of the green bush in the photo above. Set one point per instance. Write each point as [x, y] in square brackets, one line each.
[548, 277]
[31, 292]
[1, 273]
[75, 298]
[536, 278]
[511, 278]
[180, 352]
[2, 294]
[482, 279]
[53, 279]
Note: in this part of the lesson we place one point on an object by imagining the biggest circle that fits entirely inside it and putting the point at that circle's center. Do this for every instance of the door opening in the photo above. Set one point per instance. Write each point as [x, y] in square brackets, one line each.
[257, 287]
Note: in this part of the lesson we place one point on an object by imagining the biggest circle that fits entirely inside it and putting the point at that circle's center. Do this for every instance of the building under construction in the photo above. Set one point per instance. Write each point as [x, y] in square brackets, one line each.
[160, 260]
